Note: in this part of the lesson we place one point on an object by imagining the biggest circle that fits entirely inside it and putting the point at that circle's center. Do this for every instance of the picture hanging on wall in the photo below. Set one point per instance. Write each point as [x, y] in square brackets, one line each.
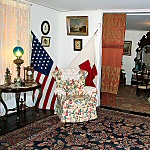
[77, 25]
[77, 44]
[127, 48]
[45, 27]
[45, 41]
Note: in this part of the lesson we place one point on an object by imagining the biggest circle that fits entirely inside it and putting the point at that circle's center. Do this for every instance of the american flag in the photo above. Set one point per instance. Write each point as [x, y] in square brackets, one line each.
[43, 66]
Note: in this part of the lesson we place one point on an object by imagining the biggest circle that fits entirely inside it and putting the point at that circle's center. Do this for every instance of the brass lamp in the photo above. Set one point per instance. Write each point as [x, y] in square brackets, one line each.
[18, 52]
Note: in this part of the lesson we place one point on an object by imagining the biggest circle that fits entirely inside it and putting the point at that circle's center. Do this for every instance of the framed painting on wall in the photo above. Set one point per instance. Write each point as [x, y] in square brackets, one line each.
[127, 48]
[45, 41]
[77, 44]
[77, 25]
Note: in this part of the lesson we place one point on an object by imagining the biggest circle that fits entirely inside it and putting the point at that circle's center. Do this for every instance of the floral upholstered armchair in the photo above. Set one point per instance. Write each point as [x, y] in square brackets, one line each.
[75, 101]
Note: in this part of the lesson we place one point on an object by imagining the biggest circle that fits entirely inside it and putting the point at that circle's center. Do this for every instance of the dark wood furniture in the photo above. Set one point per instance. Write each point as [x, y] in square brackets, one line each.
[143, 48]
[142, 83]
[17, 90]
[133, 79]
[142, 59]
[122, 77]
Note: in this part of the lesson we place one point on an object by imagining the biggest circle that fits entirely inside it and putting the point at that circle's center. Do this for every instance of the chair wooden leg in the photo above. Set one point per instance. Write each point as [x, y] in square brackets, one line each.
[137, 92]
[147, 93]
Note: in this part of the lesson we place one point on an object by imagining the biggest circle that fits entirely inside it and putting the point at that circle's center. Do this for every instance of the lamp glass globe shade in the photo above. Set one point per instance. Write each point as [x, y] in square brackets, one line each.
[18, 51]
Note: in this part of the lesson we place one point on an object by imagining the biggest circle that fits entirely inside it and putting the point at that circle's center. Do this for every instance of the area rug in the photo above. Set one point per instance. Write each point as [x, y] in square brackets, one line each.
[112, 130]
[16, 136]
[128, 100]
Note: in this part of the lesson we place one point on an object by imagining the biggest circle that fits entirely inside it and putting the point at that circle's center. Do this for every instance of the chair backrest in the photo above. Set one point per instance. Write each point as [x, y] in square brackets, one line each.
[70, 79]
[142, 79]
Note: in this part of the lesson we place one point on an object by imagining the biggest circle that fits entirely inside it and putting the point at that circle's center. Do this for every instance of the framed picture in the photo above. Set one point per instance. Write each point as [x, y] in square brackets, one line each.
[45, 41]
[77, 44]
[127, 48]
[77, 25]
[45, 27]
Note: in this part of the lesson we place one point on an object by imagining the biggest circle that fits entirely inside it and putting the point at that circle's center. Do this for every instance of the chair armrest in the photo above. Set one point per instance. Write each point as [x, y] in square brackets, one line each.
[60, 92]
[91, 91]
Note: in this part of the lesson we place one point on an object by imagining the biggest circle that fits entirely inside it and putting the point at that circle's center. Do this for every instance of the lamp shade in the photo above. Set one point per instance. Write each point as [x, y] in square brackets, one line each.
[18, 51]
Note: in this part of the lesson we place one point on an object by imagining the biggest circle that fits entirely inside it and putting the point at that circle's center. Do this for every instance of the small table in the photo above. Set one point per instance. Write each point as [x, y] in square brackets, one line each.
[17, 90]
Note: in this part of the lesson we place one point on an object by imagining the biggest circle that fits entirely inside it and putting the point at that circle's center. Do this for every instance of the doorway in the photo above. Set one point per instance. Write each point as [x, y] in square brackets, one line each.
[127, 94]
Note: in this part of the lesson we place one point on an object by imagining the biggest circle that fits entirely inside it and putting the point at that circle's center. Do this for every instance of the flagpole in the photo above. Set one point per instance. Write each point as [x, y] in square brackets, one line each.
[95, 31]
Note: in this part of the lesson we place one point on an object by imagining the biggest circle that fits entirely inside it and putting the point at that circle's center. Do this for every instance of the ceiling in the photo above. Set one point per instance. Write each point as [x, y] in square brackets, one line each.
[135, 21]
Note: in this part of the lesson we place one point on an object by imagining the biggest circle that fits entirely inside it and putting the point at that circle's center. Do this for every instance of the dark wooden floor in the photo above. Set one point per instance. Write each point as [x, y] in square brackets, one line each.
[9, 123]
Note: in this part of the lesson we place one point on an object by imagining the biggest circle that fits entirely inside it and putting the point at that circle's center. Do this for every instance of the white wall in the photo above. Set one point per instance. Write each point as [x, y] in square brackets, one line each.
[61, 49]
[66, 49]
[38, 15]
[128, 61]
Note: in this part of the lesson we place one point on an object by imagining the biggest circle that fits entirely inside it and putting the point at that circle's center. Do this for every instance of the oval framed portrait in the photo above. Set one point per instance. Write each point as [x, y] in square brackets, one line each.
[45, 27]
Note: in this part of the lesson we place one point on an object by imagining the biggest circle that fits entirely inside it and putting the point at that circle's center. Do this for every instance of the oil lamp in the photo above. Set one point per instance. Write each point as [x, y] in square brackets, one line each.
[18, 52]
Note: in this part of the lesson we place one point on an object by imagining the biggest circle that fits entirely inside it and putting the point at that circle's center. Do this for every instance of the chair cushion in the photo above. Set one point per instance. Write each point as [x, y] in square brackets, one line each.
[79, 99]
[144, 87]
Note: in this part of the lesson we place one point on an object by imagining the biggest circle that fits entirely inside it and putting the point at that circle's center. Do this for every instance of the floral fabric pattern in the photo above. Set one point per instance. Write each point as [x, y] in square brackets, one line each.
[75, 101]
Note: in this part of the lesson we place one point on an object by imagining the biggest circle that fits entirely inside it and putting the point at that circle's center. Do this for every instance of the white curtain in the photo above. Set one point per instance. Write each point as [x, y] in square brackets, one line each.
[14, 31]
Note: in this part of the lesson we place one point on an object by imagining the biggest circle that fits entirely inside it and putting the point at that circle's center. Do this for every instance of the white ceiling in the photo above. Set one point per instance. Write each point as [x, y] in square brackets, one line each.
[134, 22]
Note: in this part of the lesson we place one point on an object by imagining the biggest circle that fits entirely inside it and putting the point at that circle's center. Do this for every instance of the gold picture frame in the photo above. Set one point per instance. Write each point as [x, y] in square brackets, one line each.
[45, 41]
[77, 44]
[127, 48]
[77, 25]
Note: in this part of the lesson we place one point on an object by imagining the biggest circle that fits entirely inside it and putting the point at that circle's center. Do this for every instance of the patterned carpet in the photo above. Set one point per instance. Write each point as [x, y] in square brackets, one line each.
[111, 131]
